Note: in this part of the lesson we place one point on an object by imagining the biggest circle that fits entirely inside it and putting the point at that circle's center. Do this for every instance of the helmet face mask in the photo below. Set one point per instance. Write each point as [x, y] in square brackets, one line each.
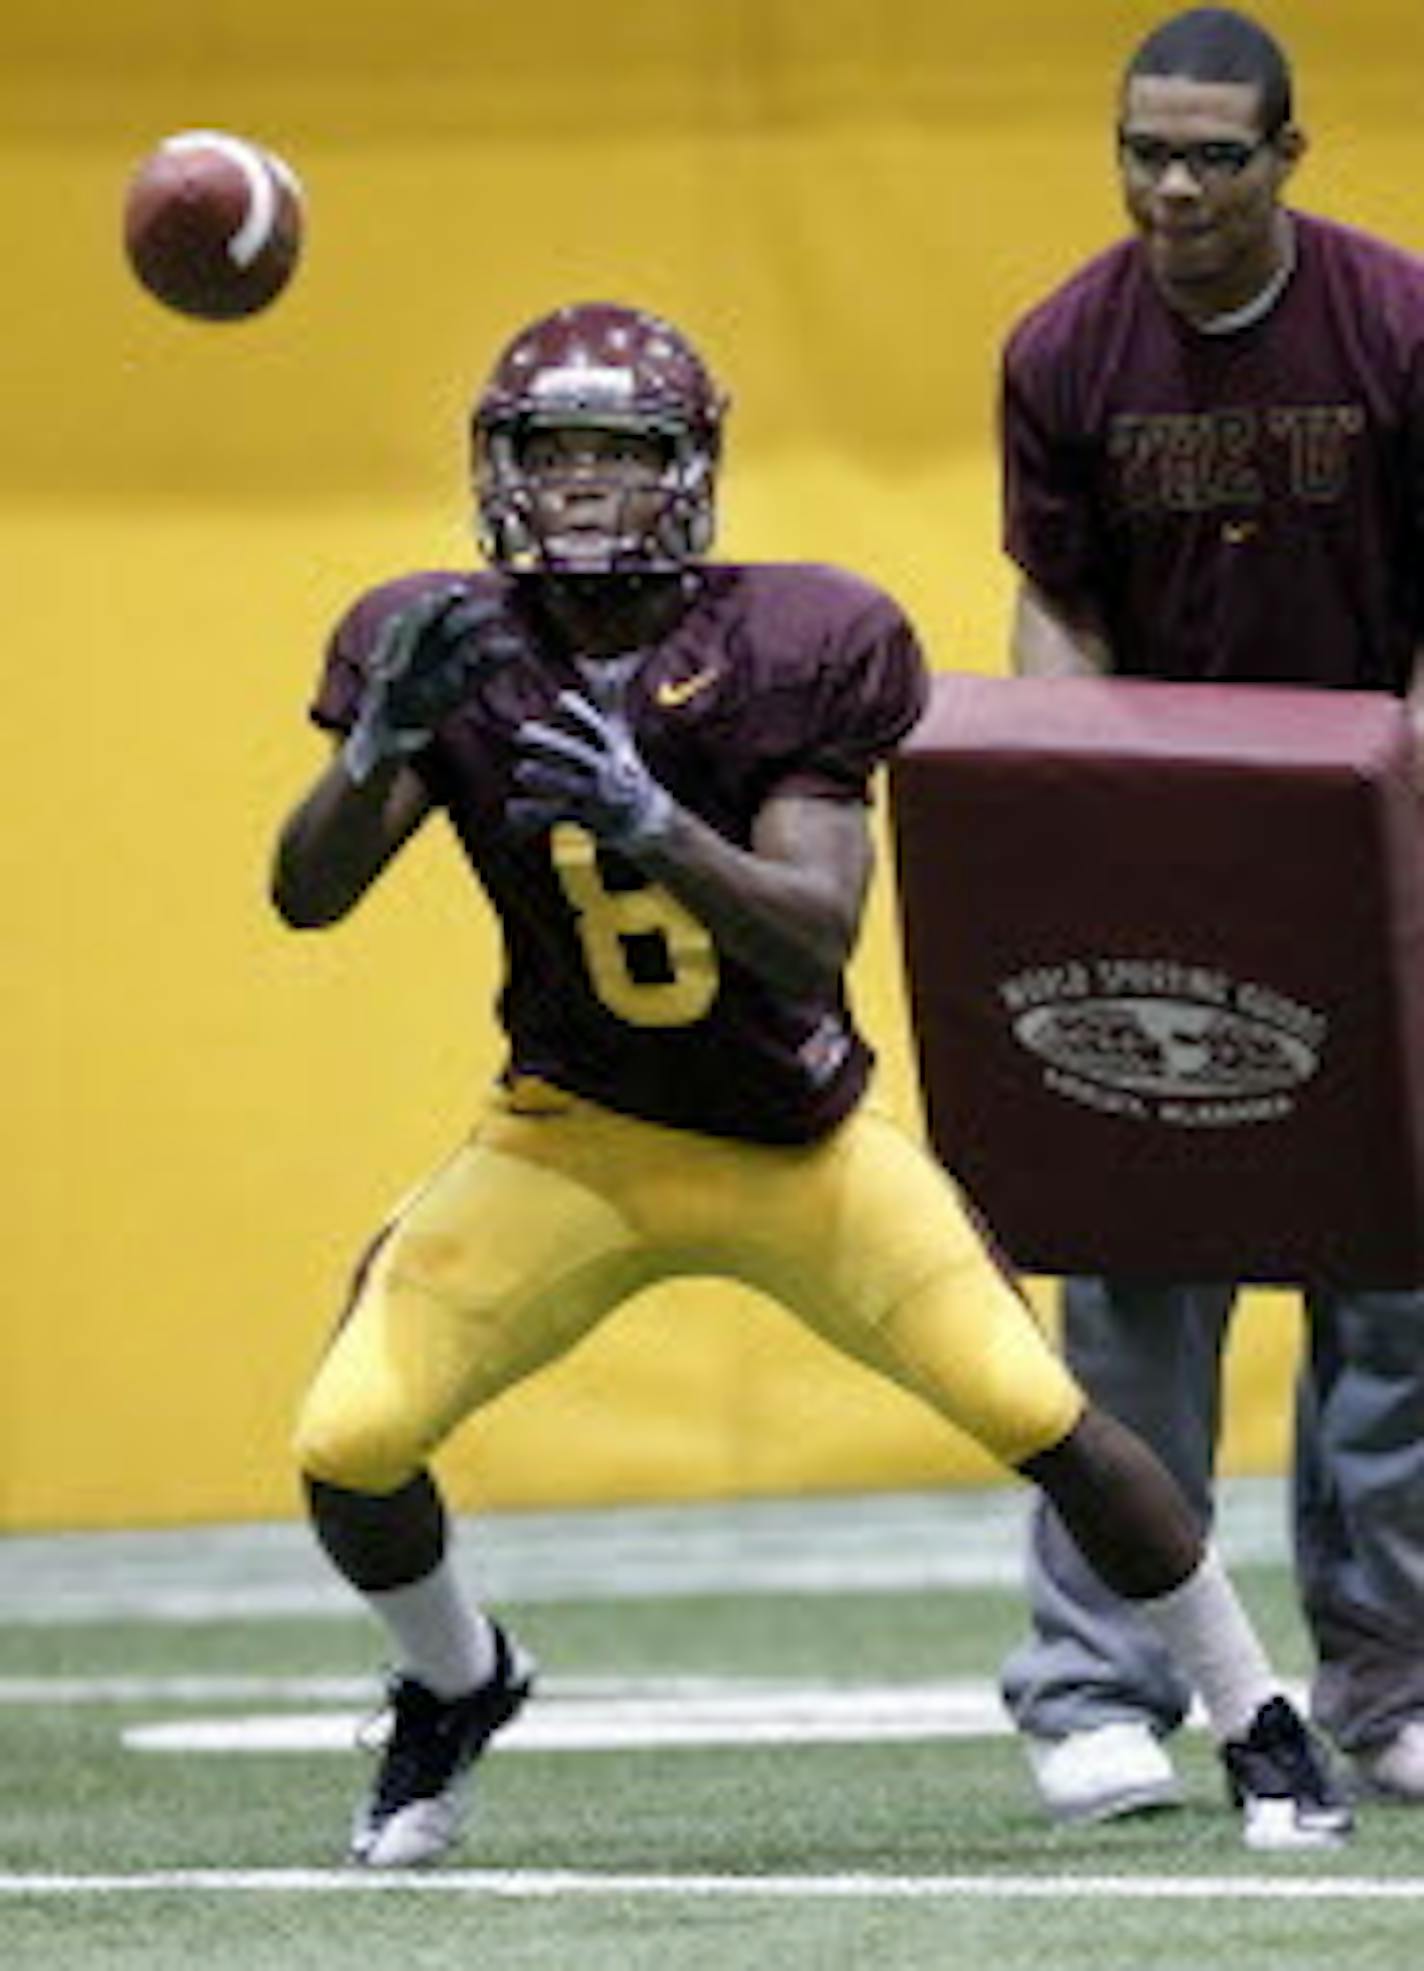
[596, 444]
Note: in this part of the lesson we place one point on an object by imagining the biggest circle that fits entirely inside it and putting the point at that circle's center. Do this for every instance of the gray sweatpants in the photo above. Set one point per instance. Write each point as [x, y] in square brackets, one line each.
[1152, 1357]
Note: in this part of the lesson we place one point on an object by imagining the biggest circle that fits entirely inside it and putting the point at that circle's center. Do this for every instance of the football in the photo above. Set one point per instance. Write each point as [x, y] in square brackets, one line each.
[213, 224]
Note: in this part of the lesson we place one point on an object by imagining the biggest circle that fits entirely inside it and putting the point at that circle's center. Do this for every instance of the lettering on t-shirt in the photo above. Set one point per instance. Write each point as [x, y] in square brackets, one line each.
[1197, 461]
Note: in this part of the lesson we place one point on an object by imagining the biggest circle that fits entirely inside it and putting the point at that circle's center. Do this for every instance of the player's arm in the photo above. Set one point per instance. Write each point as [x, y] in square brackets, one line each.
[1045, 642]
[371, 798]
[340, 836]
[789, 908]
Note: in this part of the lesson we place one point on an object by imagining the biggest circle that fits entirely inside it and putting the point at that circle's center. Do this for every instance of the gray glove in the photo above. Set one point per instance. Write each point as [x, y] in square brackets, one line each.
[587, 769]
[423, 663]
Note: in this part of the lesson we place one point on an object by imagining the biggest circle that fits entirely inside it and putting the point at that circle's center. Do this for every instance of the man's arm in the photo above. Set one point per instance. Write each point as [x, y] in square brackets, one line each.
[370, 800]
[1045, 643]
[1414, 706]
[339, 838]
[789, 909]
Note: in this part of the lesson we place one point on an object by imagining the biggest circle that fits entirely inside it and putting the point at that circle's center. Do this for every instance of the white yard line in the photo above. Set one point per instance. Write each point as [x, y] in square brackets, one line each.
[574, 1714]
[788, 1714]
[535, 1884]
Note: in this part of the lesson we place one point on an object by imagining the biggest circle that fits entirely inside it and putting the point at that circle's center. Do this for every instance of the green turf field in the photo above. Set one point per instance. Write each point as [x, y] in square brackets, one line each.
[715, 1778]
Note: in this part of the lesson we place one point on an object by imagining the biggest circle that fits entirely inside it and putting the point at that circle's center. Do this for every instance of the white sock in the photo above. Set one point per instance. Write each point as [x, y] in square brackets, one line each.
[1215, 1646]
[442, 1639]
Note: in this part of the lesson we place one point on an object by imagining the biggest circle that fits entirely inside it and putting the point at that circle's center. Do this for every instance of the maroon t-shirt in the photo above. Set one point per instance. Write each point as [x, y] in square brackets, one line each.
[1244, 507]
[776, 678]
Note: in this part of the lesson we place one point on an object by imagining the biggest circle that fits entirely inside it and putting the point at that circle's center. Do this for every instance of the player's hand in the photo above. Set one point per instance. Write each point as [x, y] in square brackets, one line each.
[422, 664]
[587, 769]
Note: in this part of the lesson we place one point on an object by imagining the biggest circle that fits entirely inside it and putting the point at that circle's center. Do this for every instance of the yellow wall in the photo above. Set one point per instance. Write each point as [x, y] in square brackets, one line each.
[845, 201]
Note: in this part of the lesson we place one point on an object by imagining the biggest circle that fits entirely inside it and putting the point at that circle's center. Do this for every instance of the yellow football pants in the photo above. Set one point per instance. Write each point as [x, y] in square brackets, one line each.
[555, 1211]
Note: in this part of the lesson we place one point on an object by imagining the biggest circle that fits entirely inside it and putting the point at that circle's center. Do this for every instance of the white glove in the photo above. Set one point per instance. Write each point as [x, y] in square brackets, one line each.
[587, 769]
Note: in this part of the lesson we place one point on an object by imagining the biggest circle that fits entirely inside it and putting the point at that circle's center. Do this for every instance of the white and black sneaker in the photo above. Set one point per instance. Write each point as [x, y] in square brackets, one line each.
[418, 1802]
[1279, 1776]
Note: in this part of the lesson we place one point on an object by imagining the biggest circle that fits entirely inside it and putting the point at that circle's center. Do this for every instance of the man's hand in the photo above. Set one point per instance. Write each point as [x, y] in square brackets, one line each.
[422, 664]
[586, 769]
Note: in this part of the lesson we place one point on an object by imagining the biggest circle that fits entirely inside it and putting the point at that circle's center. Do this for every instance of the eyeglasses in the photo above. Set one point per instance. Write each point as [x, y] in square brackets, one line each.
[1214, 161]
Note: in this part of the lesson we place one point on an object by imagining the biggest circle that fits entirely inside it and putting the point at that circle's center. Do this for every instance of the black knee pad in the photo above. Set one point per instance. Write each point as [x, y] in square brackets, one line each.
[380, 1540]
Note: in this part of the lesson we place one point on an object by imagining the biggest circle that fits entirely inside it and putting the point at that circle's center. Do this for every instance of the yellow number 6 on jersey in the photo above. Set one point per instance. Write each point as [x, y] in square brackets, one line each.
[685, 968]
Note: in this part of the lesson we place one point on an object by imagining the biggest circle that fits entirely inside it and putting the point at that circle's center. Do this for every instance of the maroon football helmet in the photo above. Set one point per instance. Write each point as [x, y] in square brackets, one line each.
[596, 365]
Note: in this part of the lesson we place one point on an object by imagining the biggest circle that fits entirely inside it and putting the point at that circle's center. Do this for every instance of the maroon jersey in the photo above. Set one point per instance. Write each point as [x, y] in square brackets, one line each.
[1245, 506]
[776, 678]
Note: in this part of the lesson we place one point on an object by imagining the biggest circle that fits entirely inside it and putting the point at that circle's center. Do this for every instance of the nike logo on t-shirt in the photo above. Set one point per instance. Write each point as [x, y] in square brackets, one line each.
[676, 691]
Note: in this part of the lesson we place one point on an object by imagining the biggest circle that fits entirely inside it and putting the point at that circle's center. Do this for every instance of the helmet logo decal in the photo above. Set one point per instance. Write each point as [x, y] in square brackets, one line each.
[584, 383]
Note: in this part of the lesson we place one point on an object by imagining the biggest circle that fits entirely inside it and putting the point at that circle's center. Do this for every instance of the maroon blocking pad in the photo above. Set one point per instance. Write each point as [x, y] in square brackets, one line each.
[1165, 950]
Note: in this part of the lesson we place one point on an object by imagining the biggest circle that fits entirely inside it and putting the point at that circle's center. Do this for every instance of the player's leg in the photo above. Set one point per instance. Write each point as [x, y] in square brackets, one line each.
[496, 1267]
[1092, 1688]
[1133, 1524]
[1359, 1527]
[956, 1333]
[394, 1549]
[461, 1675]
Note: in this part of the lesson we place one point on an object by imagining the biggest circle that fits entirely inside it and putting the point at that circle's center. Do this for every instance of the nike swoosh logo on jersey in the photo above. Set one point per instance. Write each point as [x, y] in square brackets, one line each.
[676, 691]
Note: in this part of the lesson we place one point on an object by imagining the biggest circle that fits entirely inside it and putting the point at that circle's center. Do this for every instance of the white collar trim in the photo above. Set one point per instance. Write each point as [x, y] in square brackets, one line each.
[1260, 305]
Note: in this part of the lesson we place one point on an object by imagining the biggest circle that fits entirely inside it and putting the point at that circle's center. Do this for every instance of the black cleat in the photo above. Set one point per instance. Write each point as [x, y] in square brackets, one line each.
[1279, 1776]
[419, 1800]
